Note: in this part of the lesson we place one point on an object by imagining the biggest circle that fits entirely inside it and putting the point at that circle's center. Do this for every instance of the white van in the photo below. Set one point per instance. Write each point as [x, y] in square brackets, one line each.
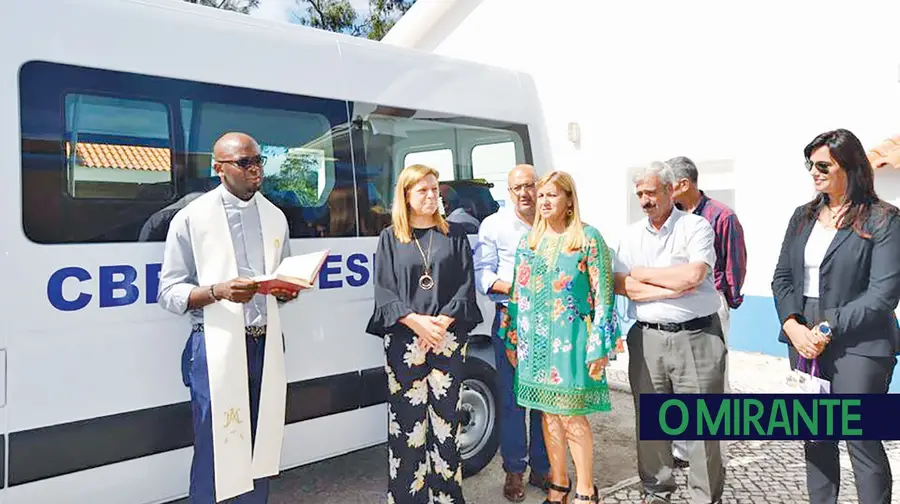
[108, 111]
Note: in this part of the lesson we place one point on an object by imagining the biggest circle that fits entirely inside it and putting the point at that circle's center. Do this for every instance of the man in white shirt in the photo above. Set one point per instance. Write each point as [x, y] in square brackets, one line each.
[233, 361]
[664, 265]
[495, 256]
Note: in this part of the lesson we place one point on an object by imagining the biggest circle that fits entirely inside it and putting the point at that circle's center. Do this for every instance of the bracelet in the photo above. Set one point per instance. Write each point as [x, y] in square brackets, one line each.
[212, 292]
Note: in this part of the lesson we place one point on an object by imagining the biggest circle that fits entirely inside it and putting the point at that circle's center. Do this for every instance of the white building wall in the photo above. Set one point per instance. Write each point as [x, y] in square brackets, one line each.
[715, 81]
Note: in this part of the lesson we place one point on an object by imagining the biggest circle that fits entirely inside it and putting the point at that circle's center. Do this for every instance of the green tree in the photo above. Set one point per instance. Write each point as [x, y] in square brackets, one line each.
[332, 15]
[242, 6]
[340, 16]
[299, 175]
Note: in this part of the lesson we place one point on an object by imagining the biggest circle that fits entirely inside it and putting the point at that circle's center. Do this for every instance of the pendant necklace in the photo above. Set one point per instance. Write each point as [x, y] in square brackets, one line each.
[426, 282]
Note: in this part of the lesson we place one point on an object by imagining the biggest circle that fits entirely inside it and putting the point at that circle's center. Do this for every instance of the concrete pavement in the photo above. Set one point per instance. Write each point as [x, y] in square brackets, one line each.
[758, 471]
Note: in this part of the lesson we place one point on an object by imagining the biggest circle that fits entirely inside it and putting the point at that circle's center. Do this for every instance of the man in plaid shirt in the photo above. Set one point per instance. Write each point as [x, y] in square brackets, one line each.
[731, 253]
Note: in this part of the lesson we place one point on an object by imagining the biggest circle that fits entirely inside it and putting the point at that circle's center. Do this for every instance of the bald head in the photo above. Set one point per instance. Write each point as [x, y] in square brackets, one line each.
[522, 170]
[522, 190]
[230, 143]
[239, 164]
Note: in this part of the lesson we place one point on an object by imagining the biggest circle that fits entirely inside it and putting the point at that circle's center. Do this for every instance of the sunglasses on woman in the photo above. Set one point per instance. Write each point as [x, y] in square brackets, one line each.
[246, 162]
[823, 167]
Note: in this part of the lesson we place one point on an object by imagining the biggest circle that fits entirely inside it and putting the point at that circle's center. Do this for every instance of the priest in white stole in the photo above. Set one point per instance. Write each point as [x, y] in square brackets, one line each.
[233, 361]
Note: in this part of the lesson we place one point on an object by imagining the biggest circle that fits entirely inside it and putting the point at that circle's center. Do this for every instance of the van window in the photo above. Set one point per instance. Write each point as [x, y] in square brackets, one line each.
[116, 148]
[492, 162]
[112, 156]
[393, 138]
[439, 159]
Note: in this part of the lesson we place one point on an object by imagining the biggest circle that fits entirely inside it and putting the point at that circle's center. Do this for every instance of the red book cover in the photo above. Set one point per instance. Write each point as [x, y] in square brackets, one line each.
[294, 273]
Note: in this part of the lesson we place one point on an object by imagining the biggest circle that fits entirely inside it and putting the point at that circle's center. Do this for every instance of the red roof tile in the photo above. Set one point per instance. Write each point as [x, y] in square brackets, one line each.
[886, 154]
[127, 157]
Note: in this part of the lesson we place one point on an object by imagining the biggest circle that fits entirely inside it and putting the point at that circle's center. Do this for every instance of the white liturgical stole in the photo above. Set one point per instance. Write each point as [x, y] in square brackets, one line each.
[236, 462]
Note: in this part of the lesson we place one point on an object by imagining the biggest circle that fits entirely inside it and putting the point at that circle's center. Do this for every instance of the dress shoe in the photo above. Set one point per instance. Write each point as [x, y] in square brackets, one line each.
[538, 480]
[514, 487]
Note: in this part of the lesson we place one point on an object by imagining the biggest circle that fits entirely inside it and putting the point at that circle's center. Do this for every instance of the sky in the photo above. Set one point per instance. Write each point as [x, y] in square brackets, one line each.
[280, 10]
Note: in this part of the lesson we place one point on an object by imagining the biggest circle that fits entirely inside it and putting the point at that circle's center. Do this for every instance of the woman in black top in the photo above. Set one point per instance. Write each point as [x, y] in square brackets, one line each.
[424, 309]
[840, 266]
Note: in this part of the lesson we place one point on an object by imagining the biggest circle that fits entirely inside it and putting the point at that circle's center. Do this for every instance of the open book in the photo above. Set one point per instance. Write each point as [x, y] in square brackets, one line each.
[294, 273]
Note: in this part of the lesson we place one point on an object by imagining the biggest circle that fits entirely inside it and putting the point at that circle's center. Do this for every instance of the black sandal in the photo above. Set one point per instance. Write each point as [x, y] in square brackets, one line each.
[565, 490]
[589, 498]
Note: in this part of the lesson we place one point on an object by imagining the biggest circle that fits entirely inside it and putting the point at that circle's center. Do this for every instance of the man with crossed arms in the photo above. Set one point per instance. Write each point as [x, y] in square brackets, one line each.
[664, 265]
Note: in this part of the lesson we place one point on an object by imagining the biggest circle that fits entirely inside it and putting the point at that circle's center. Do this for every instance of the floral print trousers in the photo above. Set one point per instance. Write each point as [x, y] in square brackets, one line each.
[424, 424]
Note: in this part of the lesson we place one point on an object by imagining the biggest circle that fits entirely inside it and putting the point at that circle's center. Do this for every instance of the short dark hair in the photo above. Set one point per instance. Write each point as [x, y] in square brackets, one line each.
[684, 168]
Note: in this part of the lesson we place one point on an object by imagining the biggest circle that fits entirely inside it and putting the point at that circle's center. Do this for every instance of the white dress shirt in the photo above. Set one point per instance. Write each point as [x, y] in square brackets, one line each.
[684, 238]
[495, 252]
[178, 276]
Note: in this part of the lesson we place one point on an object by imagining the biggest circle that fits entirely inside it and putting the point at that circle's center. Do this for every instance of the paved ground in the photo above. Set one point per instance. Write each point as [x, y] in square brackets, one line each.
[758, 471]
[361, 477]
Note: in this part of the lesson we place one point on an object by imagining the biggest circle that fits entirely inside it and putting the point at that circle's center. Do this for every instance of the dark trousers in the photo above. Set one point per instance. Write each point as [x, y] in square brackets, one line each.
[196, 377]
[517, 447]
[849, 374]
[684, 362]
[424, 463]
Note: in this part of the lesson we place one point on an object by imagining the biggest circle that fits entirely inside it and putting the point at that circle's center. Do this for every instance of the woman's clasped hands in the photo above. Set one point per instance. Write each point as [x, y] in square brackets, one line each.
[431, 330]
[810, 343]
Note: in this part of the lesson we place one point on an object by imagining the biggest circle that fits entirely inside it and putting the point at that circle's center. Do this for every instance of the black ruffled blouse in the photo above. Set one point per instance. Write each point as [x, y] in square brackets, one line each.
[398, 267]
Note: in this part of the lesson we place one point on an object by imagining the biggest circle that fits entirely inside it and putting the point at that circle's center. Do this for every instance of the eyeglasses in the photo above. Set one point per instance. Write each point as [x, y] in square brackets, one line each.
[823, 167]
[519, 188]
[246, 162]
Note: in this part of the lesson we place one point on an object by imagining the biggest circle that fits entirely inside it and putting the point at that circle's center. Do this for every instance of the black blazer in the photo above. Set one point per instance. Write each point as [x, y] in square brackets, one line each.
[859, 284]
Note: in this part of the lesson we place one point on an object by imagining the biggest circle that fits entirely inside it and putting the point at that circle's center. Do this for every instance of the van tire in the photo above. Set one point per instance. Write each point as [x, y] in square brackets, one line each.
[480, 437]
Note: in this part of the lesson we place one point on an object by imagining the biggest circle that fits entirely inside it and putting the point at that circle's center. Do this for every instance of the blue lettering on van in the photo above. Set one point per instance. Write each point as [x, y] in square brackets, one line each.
[122, 285]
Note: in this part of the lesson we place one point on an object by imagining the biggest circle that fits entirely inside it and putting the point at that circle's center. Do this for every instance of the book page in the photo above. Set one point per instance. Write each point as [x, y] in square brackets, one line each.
[304, 266]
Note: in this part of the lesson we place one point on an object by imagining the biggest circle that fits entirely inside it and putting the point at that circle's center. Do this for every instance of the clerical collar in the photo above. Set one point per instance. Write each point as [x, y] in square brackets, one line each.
[232, 200]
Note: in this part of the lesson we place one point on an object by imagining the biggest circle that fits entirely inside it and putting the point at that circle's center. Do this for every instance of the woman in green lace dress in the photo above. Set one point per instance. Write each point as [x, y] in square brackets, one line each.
[561, 329]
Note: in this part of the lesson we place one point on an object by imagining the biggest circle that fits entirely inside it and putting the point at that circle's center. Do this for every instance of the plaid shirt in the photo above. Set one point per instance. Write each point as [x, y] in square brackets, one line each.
[731, 253]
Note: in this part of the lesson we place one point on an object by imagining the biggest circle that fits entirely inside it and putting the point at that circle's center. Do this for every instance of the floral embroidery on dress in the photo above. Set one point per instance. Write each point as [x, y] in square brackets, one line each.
[440, 427]
[555, 378]
[419, 478]
[418, 393]
[522, 350]
[439, 382]
[447, 345]
[523, 275]
[558, 308]
[562, 282]
[393, 464]
[524, 324]
[524, 304]
[393, 424]
[416, 437]
[415, 355]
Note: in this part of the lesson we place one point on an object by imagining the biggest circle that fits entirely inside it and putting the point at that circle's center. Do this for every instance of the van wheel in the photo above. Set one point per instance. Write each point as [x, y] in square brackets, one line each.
[480, 436]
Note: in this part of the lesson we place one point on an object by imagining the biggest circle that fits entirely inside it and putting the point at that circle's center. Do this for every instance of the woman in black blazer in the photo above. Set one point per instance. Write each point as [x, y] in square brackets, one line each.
[840, 264]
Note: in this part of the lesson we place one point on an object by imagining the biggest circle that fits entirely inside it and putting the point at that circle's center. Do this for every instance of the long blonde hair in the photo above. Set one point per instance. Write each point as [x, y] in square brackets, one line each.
[573, 237]
[410, 176]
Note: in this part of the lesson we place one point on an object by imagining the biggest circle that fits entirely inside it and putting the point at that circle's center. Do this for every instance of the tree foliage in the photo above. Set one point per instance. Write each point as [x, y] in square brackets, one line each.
[332, 15]
[242, 6]
[340, 16]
